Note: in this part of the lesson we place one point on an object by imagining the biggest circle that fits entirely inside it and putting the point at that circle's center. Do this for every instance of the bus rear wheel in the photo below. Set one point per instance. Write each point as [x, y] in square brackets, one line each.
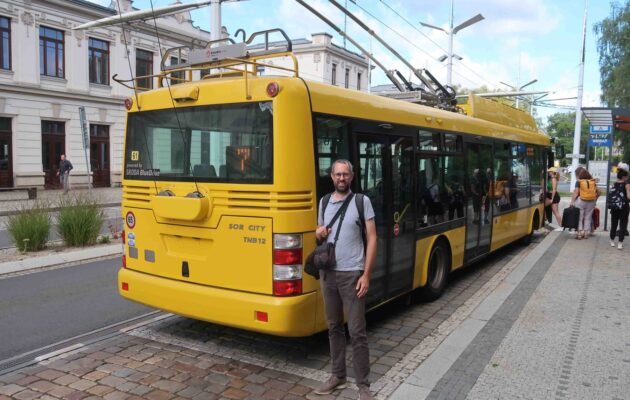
[527, 239]
[437, 271]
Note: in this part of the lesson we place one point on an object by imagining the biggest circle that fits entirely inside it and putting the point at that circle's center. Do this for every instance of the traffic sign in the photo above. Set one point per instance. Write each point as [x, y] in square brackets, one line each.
[605, 141]
[84, 127]
[570, 155]
[600, 129]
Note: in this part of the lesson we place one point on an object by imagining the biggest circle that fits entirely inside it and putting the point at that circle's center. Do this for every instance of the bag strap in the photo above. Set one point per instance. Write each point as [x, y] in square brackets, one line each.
[359, 203]
[343, 209]
[340, 213]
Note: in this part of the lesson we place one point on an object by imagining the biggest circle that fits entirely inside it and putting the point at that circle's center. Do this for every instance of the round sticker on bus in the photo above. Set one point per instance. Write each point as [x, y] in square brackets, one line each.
[131, 220]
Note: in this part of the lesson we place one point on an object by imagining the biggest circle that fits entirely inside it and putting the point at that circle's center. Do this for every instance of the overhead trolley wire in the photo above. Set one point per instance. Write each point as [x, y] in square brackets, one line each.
[168, 85]
[135, 91]
[423, 34]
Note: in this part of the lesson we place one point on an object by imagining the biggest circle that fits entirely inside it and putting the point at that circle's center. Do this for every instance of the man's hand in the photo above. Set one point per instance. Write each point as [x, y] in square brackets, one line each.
[322, 232]
[57, 173]
[363, 285]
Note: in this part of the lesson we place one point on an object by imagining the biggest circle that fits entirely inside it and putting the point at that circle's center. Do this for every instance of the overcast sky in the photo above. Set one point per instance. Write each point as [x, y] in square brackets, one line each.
[518, 41]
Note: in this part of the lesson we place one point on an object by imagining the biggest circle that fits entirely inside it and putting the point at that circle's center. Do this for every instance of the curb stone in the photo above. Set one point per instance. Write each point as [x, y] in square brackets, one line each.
[53, 260]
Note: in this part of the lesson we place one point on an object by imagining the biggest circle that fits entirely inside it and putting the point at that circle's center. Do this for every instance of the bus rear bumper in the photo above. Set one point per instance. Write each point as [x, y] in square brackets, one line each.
[287, 316]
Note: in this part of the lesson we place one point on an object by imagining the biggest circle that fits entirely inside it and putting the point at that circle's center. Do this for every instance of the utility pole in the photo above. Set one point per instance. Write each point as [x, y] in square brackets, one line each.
[451, 32]
[215, 26]
[578, 107]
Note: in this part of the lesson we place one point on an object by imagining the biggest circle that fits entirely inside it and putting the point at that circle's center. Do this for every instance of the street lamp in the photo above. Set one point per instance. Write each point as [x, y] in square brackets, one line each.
[519, 88]
[445, 57]
[452, 31]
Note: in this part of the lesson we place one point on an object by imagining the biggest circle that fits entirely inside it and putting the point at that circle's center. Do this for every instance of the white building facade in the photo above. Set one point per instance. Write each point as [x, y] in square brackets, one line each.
[321, 60]
[47, 71]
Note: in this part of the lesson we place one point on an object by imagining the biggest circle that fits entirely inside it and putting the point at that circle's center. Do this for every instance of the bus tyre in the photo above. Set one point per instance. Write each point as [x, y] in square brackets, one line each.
[527, 239]
[437, 271]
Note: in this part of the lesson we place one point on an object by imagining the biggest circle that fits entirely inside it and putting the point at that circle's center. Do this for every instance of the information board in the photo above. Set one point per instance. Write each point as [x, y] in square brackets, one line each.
[599, 170]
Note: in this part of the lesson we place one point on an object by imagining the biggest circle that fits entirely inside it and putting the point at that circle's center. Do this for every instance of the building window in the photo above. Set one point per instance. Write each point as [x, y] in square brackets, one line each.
[347, 78]
[144, 67]
[5, 43]
[359, 81]
[53, 128]
[99, 130]
[177, 76]
[334, 74]
[51, 56]
[99, 61]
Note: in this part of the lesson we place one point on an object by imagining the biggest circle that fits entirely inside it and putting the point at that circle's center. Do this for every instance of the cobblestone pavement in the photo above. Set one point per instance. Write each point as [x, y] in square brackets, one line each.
[571, 340]
[175, 357]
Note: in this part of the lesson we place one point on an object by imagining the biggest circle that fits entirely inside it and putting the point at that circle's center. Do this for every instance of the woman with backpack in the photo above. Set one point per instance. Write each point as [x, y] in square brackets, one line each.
[618, 196]
[553, 198]
[584, 198]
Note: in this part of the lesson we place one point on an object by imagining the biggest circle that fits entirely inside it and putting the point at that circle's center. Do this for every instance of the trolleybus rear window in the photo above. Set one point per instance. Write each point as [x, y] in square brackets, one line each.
[223, 143]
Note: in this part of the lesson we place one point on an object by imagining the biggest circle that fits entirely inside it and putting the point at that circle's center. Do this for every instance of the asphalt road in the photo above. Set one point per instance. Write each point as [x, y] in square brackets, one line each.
[42, 308]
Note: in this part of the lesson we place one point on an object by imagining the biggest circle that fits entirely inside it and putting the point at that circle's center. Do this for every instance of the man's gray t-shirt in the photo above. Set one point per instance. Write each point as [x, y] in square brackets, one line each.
[349, 249]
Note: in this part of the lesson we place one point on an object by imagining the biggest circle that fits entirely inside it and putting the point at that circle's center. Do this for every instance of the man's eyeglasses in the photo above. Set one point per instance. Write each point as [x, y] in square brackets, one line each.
[341, 174]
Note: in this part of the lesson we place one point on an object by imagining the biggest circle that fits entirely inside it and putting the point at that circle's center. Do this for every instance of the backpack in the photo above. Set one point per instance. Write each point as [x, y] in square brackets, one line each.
[588, 189]
[616, 197]
[428, 197]
[358, 199]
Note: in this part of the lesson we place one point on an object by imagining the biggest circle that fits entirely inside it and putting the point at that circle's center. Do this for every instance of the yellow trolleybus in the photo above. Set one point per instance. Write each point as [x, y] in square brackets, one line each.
[222, 177]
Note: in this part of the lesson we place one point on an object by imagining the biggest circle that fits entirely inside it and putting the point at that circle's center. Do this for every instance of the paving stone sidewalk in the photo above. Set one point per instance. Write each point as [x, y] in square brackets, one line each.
[179, 358]
[556, 329]
[571, 339]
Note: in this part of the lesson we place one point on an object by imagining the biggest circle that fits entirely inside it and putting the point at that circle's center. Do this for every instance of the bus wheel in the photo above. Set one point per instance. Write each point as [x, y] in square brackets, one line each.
[437, 271]
[527, 239]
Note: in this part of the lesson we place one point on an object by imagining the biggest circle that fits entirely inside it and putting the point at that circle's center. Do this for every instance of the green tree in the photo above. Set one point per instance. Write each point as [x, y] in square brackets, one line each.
[613, 46]
[562, 126]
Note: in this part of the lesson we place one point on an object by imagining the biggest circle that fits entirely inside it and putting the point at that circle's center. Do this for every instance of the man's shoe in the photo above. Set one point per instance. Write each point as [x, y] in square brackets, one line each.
[365, 394]
[331, 385]
[620, 246]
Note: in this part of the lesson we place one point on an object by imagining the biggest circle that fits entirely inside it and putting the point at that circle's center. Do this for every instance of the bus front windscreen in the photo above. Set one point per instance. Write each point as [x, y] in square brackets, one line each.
[218, 143]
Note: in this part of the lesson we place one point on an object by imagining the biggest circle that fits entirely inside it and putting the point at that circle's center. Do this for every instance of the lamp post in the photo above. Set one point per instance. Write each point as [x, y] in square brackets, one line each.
[451, 32]
[520, 88]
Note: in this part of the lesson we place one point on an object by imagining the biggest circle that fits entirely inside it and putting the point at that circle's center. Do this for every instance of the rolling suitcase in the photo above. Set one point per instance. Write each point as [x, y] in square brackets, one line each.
[570, 218]
[595, 223]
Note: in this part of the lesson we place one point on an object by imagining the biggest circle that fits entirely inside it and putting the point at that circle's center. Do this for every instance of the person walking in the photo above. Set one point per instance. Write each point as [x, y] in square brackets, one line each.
[65, 166]
[553, 198]
[585, 197]
[618, 196]
[344, 287]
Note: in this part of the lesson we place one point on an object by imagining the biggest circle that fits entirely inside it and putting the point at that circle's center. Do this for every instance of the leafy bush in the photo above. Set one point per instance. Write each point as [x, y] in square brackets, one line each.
[79, 220]
[29, 227]
[104, 239]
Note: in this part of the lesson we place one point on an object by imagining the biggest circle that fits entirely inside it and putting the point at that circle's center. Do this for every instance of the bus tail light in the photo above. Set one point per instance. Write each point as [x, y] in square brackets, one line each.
[273, 89]
[125, 286]
[287, 264]
[262, 316]
[287, 288]
[124, 261]
[287, 256]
